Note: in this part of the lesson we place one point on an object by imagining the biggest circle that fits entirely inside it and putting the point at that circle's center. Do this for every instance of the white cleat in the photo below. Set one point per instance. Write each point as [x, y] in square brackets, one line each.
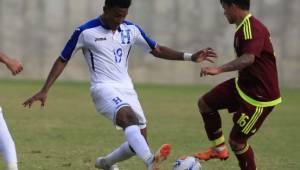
[101, 164]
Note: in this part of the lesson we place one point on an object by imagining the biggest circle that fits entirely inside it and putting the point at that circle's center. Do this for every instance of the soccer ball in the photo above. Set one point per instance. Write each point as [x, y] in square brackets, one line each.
[187, 163]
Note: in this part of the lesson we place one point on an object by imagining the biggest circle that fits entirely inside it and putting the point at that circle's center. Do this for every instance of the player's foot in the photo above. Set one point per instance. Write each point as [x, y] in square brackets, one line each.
[161, 154]
[212, 154]
[101, 164]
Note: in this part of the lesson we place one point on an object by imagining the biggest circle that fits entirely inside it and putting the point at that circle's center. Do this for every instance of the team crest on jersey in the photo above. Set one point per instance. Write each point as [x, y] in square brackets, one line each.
[125, 36]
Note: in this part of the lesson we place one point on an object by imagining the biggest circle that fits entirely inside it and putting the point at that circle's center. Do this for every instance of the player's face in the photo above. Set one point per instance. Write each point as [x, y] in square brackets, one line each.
[115, 16]
[229, 12]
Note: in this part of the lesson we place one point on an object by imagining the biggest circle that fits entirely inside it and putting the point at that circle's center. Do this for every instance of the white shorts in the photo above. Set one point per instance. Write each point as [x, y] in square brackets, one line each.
[109, 100]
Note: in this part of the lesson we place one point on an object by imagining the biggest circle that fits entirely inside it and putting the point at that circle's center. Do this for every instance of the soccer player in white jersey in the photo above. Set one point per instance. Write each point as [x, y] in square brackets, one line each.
[7, 145]
[106, 42]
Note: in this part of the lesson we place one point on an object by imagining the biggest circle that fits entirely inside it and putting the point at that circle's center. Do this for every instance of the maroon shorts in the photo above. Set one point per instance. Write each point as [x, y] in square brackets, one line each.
[247, 118]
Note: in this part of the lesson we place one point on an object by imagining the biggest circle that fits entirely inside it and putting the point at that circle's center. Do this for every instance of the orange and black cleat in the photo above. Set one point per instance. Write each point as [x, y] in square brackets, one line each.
[161, 154]
[212, 154]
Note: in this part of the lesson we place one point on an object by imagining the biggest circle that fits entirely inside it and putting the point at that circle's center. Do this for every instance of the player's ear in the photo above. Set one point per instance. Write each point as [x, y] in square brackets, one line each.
[105, 9]
[233, 5]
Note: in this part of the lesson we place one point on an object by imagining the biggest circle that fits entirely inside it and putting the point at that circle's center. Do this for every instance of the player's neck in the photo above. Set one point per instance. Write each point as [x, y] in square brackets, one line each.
[241, 17]
[105, 22]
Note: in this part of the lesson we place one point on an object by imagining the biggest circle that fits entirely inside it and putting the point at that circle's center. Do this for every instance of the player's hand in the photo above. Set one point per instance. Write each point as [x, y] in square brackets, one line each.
[210, 71]
[40, 96]
[207, 54]
[14, 66]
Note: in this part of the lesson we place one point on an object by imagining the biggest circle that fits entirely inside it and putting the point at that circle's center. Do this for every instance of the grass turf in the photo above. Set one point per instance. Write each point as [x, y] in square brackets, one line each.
[69, 134]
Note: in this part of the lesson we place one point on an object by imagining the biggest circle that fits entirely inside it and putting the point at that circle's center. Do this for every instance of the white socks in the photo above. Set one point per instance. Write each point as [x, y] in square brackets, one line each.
[137, 141]
[120, 154]
[7, 145]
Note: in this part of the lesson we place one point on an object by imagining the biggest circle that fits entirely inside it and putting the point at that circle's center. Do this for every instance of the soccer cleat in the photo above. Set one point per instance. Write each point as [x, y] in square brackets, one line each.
[212, 154]
[101, 164]
[161, 154]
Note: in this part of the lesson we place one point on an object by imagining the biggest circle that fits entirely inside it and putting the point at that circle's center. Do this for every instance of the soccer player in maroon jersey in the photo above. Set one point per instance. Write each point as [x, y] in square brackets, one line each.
[250, 97]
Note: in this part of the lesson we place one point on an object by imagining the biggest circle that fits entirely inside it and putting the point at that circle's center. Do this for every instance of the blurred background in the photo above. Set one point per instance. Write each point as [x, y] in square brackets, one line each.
[35, 31]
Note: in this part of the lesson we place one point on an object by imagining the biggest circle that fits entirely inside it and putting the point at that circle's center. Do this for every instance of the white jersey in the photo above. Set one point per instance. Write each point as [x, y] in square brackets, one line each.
[107, 53]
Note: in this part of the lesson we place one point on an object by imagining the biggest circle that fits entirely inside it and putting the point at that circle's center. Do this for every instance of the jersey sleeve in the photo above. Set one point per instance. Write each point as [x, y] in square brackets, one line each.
[253, 45]
[73, 45]
[143, 41]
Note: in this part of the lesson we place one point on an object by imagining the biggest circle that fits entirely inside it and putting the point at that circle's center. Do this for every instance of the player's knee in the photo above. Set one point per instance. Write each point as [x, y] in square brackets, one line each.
[203, 107]
[131, 119]
[201, 104]
[124, 123]
[236, 146]
[126, 117]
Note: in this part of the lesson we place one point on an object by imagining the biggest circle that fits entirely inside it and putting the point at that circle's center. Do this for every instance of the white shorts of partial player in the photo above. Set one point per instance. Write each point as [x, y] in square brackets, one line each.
[109, 99]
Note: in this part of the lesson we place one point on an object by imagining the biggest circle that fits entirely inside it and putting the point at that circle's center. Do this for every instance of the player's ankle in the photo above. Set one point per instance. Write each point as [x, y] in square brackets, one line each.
[220, 147]
[150, 160]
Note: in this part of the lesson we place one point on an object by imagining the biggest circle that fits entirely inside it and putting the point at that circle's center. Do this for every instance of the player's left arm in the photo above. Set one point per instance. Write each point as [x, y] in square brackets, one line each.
[143, 40]
[170, 54]
[238, 64]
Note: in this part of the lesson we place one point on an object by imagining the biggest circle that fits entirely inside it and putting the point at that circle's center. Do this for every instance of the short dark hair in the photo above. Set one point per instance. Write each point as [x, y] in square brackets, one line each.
[243, 4]
[117, 3]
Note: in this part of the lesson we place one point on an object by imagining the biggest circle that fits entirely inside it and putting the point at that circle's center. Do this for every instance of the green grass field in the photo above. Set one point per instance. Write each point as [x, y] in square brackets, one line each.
[68, 134]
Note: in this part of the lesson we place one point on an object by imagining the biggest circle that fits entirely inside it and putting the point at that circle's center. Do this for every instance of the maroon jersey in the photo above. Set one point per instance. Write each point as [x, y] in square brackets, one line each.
[259, 80]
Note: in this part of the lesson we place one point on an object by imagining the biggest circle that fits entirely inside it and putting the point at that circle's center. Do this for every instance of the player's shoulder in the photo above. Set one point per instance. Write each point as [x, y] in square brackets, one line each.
[252, 28]
[131, 24]
[127, 22]
[90, 24]
[257, 26]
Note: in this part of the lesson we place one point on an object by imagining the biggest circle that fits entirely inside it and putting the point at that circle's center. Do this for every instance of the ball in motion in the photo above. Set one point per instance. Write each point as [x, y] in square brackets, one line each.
[187, 163]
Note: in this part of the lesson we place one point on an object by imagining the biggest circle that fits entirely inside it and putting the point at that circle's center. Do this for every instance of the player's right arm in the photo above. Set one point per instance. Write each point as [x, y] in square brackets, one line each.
[238, 64]
[74, 43]
[13, 65]
[41, 96]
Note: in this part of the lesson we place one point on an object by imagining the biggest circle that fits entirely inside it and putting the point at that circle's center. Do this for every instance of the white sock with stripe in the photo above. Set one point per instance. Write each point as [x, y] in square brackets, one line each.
[122, 153]
[137, 141]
